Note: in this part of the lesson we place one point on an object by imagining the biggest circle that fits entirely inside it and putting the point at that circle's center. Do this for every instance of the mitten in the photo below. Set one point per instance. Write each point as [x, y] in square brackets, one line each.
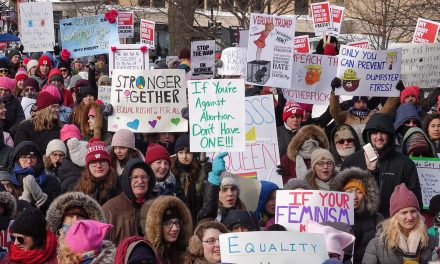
[26, 195]
[336, 83]
[37, 194]
[218, 165]
[399, 86]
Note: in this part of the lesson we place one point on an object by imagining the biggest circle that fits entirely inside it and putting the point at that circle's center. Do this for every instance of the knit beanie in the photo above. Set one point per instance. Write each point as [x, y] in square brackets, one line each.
[53, 90]
[355, 183]
[156, 152]
[295, 183]
[123, 138]
[83, 91]
[13, 52]
[103, 78]
[306, 107]
[31, 64]
[21, 74]
[77, 151]
[410, 90]
[69, 131]
[45, 99]
[343, 132]
[55, 145]
[358, 98]
[55, 75]
[30, 222]
[73, 81]
[290, 109]
[86, 235]
[228, 179]
[5, 176]
[170, 213]
[7, 83]
[181, 143]
[402, 198]
[44, 59]
[417, 144]
[97, 150]
[64, 64]
[31, 82]
[320, 154]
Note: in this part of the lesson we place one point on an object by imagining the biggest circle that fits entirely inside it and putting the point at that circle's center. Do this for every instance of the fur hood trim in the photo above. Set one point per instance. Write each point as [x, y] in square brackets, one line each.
[372, 200]
[10, 205]
[302, 135]
[58, 207]
[107, 254]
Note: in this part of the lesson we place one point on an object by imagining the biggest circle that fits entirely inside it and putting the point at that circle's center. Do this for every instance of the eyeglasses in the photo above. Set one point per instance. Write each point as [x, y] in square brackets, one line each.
[348, 140]
[3, 70]
[95, 163]
[58, 155]
[17, 238]
[170, 223]
[211, 241]
[136, 178]
[322, 163]
[26, 157]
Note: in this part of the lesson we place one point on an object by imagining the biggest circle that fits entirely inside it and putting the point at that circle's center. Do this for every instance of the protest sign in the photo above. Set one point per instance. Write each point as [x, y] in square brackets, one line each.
[269, 56]
[426, 31]
[301, 44]
[217, 115]
[125, 24]
[36, 26]
[312, 75]
[128, 57]
[148, 101]
[420, 64]
[234, 62]
[322, 18]
[428, 170]
[104, 93]
[281, 247]
[202, 59]
[86, 36]
[295, 208]
[26, 104]
[147, 33]
[337, 16]
[369, 72]
[364, 44]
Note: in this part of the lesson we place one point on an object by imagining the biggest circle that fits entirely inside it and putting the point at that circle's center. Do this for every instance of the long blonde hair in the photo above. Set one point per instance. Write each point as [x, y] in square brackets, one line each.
[42, 120]
[64, 254]
[391, 230]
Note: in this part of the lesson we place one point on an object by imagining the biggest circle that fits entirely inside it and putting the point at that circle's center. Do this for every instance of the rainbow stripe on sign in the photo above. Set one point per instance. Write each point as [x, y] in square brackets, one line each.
[248, 175]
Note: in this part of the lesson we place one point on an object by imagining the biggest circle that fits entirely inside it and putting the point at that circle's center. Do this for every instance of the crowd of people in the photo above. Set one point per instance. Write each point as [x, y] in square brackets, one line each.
[73, 192]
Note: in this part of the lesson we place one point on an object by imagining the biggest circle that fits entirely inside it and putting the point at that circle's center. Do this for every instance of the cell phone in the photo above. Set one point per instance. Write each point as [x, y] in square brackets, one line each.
[369, 150]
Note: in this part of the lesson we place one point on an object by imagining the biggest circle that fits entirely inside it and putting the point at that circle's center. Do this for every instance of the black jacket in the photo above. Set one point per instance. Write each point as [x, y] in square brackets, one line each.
[14, 113]
[68, 174]
[284, 136]
[26, 131]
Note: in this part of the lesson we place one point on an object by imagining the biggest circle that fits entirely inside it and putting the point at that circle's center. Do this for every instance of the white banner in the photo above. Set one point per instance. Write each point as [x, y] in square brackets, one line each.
[36, 26]
[202, 59]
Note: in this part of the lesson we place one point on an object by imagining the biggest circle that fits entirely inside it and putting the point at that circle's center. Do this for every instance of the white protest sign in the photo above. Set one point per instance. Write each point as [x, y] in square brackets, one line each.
[128, 57]
[364, 44]
[322, 18]
[428, 170]
[270, 49]
[147, 33]
[337, 17]
[281, 247]
[294, 208]
[369, 72]
[104, 93]
[202, 59]
[312, 75]
[426, 31]
[420, 64]
[26, 104]
[302, 44]
[36, 26]
[148, 101]
[217, 112]
[234, 62]
[125, 24]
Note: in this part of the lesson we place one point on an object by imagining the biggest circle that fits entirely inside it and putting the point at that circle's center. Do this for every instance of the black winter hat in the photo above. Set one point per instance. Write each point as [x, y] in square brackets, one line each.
[236, 218]
[181, 143]
[171, 213]
[13, 52]
[26, 148]
[83, 91]
[4, 64]
[30, 222]
[64, 64]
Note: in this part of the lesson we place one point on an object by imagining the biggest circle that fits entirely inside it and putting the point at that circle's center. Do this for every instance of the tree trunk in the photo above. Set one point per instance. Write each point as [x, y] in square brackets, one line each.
[180, 24]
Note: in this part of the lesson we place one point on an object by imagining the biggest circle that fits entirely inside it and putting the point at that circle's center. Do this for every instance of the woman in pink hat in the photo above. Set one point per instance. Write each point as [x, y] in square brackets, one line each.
[20, 77]
[14, 111]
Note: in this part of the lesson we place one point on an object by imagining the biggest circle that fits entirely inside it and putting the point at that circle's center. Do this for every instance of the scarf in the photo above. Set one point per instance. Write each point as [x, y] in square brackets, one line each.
[35, 256]
[322, 185]
[304, 152]
[410, 244]
[362, 113]
[17, 171]
[166, 187]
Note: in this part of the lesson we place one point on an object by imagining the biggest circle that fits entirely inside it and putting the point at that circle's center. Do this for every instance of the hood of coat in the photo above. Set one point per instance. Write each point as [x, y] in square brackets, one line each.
[380, 122]
[126, 248]
[372, 199]
[266, 189]
[9, 204]
[62, 203]
[126, 182]
[405, 112]
[304, 133]
[333, 150]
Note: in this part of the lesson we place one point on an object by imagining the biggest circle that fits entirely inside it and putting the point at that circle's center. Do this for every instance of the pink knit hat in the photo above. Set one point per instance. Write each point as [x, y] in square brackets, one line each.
[123, 138]
[21, 74]
[410, 90]
[7, 83]
[402, 198]
[69, 131]
[86, 235]
[53, 90]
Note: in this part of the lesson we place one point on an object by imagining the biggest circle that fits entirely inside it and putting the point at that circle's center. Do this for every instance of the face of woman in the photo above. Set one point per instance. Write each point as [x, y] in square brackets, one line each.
[324, 170]
[91, 122]
[20, 83]
[160, 169]
[55, 111]
[120, 152]
[88, 99]
[228, 196]
[44, 69]
[358, 196]
[72, 219]
[434, 129]
[2, 111]
[27, 161]
[171, 230]
[23, 242]
[56, 157]
[99, 168]
[185, 157]
[32, 70]
[269, 207]
[211, 245]
[407, 218]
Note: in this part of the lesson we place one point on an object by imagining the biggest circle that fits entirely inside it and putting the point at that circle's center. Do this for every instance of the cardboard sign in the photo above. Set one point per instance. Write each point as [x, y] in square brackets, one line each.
[104, 93]
[202, 59]
[420, 64]
[125, 24]
[216, 108]
[270, 50]
[279, 247]
[428, 170]
[128, 57]
[426, 31]
[295, 208]
[369, 72]
[86, 36]
[234, 62]
[148, 101]
[36, 26]
[322, 18]
[26, 104]
[363, 44]
[302, 44]
[337, 15]
[148, 33]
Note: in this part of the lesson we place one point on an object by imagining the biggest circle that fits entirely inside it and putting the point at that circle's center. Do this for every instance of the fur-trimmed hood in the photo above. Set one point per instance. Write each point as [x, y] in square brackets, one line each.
[304, 133]
[9, 203]
[372, 199]
[58, 207]
[107, 254]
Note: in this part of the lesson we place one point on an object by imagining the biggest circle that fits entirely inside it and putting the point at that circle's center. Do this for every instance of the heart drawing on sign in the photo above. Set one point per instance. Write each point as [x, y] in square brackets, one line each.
[152, 123]
[133, 124]
[175, 121]
[158, 117]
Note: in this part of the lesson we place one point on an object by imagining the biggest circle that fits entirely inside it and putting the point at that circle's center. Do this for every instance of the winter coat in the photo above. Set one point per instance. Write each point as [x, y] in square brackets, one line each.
[56, 211]
[68, 174]
[26, 131]
[9, 205]
[5, 154]
[411, 131]
[334, 151]
[107, 254]
[393, 167]
[14, 113]
[284, 136]
[288, 161]
[123, 211]
[366, 217]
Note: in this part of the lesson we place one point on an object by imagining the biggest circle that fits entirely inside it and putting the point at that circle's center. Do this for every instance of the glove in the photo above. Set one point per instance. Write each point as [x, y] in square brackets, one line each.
[218, 166]
[207, 166]
[336, 83]
[37, 194]
[399, 86]
[280, 170]
[108, 110]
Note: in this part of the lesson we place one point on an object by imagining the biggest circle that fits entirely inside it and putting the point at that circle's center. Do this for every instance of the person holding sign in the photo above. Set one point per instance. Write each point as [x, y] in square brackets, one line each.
[431, 126]
[403, 238]
[322, 170]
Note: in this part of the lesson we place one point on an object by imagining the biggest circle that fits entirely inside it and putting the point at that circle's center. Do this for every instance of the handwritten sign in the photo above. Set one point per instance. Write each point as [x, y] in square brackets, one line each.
[369, 72]
[217, 115]
[202, 59]
[428, 170]
[281, 247]
[420, 64]
[337, 15]
[128, 57]
[147, 33]
[270, 50]
[295, 208]
[426, 31]
[148, 101]
[26, 104]
[322, 18]
[302, 44]
[364, 44]
[234, 62]
[36, 26]
[104, 93]
[125, 24]
[86, 36]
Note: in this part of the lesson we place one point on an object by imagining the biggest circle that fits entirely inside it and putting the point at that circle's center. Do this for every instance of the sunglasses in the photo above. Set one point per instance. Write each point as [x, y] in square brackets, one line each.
[4, 70]
[411, 121]
[348, 140]
[17, 238]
